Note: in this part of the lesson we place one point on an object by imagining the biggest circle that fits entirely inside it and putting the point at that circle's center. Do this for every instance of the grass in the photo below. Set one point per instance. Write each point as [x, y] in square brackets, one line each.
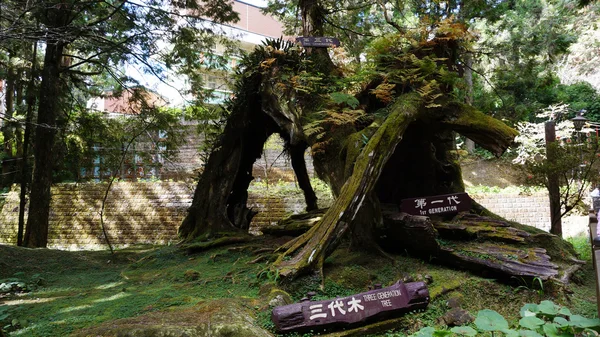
[74, 290]
[582, 245]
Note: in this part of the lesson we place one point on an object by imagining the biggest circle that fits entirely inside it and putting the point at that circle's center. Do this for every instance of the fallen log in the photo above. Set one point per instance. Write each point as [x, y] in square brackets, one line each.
[484, 245]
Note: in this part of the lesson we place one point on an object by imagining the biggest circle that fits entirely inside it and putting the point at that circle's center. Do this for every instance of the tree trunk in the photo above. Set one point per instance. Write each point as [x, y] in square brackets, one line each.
[8, 127]
[310, 249]
[553, 184]
[36, 231]
[219, 203]
[468, 76]
[25, 176]
[299, 166]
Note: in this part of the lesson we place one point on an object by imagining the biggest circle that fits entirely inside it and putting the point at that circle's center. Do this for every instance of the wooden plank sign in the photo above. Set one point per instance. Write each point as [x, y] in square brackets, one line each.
[318, 42]
[352, 310]
[437, 204]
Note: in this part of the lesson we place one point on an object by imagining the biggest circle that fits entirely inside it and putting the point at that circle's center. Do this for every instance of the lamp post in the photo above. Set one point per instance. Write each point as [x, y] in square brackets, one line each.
[579, 121]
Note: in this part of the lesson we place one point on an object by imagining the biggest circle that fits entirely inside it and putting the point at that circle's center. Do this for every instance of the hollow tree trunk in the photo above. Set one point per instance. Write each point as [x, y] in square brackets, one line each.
[219, 203]
[422, 164]
[299, 166]
[259, 110]
[309, 250]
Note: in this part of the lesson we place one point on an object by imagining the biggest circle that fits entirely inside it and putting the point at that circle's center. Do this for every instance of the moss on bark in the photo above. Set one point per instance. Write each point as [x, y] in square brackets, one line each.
[309, 250]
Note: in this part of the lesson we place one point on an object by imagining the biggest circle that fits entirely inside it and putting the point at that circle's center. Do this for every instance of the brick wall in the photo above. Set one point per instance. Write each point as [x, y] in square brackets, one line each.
[134, 213]
[151, 212]
[532, 209]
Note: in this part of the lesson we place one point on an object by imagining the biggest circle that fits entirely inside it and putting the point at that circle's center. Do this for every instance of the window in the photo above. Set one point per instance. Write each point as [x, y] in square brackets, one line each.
[211, 82]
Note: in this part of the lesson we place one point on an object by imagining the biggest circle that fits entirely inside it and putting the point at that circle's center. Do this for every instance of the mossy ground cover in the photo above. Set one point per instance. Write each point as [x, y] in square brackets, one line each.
[74, 290]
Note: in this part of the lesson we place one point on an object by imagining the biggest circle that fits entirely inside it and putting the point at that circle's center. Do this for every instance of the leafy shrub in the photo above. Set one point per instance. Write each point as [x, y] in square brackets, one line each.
[537, 320]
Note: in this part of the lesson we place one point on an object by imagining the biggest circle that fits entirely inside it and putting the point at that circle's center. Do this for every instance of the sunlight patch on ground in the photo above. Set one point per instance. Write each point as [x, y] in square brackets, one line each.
[109, 285]
[112, 298]
[25, 331]
[30, 301]
[71, 309]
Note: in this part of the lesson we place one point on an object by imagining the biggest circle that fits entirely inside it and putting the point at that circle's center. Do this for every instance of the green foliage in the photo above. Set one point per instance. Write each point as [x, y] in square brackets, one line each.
[211, 122]
[343, 98]
[483, 189]
[464, 331]
[489, 320]
[545, 319]
[282, 189]
[97, 140]
[482, 153]
[571, 158]
[582, 245]
[523, 79]
[580, 96]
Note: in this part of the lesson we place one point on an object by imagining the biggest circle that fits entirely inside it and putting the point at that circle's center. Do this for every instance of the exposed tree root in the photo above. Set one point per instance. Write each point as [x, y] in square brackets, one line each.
[568, 273]
[197, 247]
[261, 258]
[296, 224]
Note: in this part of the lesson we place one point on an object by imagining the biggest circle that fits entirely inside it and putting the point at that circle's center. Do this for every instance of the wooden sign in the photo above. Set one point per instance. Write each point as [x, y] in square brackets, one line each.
[318, 42]
[352, 310]
[438, 204]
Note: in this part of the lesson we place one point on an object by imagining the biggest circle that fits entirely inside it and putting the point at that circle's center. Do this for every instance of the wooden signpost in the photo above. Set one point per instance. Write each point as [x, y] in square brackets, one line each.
[436, 205]
[318, 42]
[373, 305]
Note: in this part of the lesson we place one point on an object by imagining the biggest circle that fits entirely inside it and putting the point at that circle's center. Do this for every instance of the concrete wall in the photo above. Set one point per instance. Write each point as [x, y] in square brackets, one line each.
[151, 212]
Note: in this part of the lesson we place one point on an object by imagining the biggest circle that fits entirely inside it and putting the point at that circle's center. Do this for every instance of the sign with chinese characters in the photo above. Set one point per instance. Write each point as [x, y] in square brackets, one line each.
[319, 42]
[438, 204]
[378, 303]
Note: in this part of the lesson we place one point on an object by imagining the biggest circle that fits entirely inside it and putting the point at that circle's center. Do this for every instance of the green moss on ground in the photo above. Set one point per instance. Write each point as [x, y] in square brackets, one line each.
[75, 290]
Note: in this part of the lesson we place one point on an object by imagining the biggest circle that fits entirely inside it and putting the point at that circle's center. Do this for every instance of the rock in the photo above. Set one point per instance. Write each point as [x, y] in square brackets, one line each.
[454, 302]
[457, 316]
[13, 287]
[278, 301]
[278, 297]
[191, 275]
[216, 318]
[274, 296]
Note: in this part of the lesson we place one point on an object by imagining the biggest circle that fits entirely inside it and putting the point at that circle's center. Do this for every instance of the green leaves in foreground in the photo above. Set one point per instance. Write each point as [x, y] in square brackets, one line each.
[537, 320]
[342, 98]
[489, 320]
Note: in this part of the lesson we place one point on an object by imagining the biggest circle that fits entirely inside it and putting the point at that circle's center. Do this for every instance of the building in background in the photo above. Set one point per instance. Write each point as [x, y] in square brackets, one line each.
[147, 159]
[251, 30]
